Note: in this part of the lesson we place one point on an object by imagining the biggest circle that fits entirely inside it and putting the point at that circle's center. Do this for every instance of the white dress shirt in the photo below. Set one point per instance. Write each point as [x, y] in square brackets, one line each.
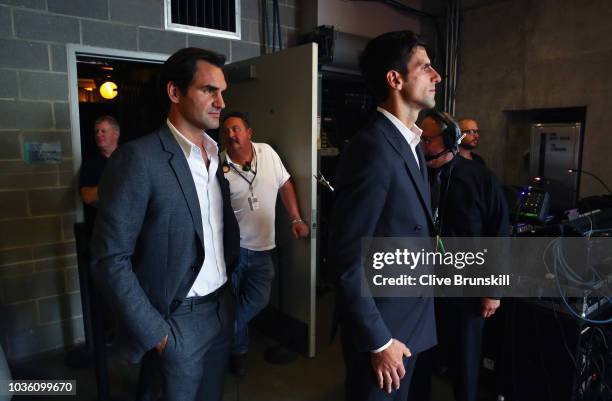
[411, 135]
[213, 274]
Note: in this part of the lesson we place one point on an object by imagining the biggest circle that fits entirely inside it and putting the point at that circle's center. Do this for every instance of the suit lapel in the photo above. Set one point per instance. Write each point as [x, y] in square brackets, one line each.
[398, 142]
[424, 173]
[422, 162]
[179, 165]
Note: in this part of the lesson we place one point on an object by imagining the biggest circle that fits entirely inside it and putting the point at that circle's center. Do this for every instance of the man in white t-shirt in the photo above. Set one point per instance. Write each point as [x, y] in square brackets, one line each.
[256, 175]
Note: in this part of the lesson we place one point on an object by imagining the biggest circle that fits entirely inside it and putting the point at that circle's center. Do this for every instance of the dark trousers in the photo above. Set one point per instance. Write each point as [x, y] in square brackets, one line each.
[360, 383]
[150, 378]
[460, 326]
[195, 359]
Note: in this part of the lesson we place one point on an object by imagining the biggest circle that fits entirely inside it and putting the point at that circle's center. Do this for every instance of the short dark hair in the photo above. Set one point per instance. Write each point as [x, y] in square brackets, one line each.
[180, 67]
[462, 119]
[389, 51]
[237, 114]
[112, 121]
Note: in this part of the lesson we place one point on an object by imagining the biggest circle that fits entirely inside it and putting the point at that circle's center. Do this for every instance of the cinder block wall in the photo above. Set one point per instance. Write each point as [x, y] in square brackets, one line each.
[528, 54]
[40, 307]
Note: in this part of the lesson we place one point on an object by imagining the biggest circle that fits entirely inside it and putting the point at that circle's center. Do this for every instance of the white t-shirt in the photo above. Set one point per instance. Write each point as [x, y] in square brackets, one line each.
[256, 226]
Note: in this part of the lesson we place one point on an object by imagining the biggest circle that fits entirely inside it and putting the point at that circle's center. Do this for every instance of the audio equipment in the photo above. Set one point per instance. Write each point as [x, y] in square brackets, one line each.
[527, 204]
[540, 353]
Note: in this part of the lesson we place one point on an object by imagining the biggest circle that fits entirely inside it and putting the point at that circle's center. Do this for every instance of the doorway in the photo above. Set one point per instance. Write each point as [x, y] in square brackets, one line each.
[133, 99]
[135, 103]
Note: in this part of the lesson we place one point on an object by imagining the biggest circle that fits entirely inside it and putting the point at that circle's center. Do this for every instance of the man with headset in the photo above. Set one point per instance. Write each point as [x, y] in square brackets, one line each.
[467, 201]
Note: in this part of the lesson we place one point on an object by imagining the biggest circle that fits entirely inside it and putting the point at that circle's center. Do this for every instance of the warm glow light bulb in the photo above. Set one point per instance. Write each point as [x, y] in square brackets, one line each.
[108, 90]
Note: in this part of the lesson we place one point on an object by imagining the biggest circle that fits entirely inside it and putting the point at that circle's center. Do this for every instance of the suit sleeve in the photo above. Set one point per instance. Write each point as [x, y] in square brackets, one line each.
[125, 191]
[362, 183]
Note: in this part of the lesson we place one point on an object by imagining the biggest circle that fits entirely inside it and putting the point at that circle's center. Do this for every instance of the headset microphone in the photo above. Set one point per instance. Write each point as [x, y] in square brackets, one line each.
[460, 139]
[439, 154]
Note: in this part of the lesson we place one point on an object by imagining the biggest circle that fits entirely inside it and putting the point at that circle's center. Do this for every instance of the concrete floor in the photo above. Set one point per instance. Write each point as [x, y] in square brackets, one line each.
[306, 379]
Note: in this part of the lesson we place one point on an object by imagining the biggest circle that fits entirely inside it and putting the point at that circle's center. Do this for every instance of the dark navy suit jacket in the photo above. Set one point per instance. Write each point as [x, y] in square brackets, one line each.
[380, 192]
[147, 245]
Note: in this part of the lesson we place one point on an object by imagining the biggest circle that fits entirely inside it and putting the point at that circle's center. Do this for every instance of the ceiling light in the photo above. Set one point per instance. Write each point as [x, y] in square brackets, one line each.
[108, 90]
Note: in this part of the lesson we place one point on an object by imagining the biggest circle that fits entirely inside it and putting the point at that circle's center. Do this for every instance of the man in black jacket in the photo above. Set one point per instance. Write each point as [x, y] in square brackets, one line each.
[468, 202]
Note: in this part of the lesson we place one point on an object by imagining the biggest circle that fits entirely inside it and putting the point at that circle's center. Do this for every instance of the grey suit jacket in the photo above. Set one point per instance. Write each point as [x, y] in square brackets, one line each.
[147, 246]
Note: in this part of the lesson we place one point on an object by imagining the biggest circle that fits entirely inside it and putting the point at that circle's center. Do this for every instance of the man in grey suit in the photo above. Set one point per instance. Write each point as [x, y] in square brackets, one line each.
[166, 237]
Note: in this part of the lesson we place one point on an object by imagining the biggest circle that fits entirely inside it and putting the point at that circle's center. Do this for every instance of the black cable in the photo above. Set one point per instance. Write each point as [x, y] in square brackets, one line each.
[438, 38]
[456, 60]
[569, 353]
[265, 23]
[273, 27]
[604, 361]
[443, 196]
[580, 171]
[513, 354]
[541, 355]
[519, 206]
[407, 9]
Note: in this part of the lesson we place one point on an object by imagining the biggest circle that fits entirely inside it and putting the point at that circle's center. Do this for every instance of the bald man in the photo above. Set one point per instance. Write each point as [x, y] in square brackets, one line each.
[469, 127]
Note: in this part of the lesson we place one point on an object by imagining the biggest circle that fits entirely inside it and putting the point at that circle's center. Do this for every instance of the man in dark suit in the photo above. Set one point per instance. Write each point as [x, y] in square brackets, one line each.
[383, 191]
[166, 237]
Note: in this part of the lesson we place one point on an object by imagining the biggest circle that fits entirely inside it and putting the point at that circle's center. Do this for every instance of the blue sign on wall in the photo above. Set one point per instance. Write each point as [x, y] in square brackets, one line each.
[42, 152]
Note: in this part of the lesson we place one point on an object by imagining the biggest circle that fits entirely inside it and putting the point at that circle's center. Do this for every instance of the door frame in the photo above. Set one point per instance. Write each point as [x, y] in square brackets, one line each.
[72, 52]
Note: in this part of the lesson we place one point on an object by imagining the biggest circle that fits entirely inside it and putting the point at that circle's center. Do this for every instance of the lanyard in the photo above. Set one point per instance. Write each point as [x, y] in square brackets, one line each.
[441, 206]
[253, 169]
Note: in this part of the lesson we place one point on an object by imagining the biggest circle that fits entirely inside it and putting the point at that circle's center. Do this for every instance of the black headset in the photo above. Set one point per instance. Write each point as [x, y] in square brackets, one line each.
[451, 133]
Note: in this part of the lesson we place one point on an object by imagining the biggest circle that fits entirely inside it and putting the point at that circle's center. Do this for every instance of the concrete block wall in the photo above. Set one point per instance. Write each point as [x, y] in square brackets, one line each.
[40, 306]
[526, 54]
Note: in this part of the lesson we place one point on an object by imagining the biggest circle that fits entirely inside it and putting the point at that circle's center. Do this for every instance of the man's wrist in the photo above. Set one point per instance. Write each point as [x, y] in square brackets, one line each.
[297, 220]
[384, 347]
[162, 344]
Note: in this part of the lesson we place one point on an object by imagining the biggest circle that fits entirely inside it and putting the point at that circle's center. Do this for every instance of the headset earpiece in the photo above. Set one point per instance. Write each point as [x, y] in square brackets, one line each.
[451, 133]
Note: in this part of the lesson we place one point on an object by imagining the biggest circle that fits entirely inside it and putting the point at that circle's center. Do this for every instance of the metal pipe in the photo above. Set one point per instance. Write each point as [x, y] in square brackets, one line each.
[446, 59]
[457, 44]
[449, 28]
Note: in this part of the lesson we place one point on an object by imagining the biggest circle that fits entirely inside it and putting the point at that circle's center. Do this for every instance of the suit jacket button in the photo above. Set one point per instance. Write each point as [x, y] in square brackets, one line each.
[176, 303]
[417, 227]
[194, 268]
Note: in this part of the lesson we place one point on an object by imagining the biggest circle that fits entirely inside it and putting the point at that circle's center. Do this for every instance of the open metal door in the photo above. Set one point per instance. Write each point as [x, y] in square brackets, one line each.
[278, 92]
